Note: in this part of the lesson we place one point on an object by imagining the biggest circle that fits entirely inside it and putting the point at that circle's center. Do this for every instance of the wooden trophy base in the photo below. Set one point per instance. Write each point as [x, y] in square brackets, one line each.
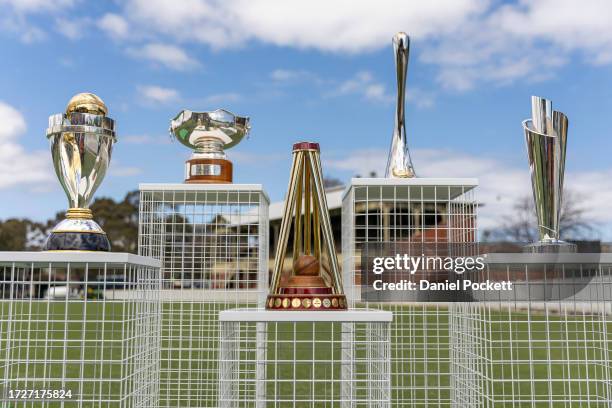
[208, 171]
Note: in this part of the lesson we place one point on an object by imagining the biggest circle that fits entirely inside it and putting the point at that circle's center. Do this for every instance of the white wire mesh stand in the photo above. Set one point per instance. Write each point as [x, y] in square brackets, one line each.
[408, 211]
[527, 351]
[79, 329]
[212, 240]
[304, 359]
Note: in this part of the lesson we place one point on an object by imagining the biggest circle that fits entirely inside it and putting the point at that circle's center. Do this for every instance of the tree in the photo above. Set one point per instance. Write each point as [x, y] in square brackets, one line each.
[118, 219]
[21, 235]
[371, 174]
[329, 182]
[521, 225]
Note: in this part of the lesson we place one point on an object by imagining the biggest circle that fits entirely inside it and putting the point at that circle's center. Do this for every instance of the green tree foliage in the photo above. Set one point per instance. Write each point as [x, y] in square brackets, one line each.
[20, 235]
[118, 219]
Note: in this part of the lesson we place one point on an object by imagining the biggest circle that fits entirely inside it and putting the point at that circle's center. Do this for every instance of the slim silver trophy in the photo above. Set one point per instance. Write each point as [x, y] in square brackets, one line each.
[81, 141]
[546, 138]
[399, 163]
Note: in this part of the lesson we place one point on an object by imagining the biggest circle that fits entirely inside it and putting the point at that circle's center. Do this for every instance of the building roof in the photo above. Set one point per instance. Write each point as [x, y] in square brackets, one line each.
[334, 201]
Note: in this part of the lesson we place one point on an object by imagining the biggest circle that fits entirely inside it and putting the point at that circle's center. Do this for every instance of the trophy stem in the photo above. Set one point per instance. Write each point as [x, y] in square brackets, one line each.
[79, 213]
[207, 164]
[209, 148]
[399, 163]
[208, 171]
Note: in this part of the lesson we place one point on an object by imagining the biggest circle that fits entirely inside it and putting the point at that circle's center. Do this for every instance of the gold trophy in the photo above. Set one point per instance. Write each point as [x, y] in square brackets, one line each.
[310, 286]
[82, 141]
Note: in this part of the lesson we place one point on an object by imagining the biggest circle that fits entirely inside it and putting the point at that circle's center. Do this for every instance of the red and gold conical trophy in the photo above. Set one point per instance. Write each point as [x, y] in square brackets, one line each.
[311, 285]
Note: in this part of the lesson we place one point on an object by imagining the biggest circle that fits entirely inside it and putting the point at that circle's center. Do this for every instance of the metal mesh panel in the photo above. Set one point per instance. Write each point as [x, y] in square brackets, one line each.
[410, 211]
[213, 244]
[531, 353]
[304, 364]
[87, 329]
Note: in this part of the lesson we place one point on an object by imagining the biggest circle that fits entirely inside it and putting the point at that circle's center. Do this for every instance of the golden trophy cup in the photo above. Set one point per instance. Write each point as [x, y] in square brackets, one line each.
[310, 285]
[82, 141]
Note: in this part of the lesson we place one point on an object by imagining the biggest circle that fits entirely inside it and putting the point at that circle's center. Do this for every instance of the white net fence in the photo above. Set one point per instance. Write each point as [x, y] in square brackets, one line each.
[534, 351]
[213, 244]
[305, 364]
[403, 213]
[78, 330]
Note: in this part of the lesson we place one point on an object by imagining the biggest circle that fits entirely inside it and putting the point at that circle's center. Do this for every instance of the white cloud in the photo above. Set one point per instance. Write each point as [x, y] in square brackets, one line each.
[420, 98]
[36, 6]
[169, 56]
[114, 25]
[364, 84]
[500, 184]
[586, 25]
[525, 40]
[482, 52]
[341, 25]
[377, 92]
[29, 35]
[154, 94]
[470, 42]
[596, 188]
[18, 25]
[292, 75]
[18, 166]
[72, 29]
[12, 123]
[14, 17]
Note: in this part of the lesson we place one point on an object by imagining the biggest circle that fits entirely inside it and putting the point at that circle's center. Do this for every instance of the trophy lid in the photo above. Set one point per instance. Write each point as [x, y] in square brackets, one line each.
[86, 103]
[305, 146]
[401, 39]
[85, 113]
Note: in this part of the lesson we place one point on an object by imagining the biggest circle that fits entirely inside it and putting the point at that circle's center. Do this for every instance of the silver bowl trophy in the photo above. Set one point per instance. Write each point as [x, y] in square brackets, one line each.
[81, 141]
[399, 163]
[209, 134]
[546, 138]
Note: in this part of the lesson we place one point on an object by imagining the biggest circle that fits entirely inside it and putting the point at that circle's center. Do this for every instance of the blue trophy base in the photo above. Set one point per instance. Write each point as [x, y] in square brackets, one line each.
[77, 241]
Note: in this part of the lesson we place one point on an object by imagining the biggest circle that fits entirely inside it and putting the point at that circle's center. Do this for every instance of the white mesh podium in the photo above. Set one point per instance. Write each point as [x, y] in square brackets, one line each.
[304, 359]
[408, 211]
[80, 323]
[212, 240]
[547, 344]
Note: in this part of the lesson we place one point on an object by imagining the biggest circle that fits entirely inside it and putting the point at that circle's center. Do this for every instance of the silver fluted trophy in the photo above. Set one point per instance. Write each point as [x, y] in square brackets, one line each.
[209, 134]
[546, 138]
[399, 163]
[81, 141]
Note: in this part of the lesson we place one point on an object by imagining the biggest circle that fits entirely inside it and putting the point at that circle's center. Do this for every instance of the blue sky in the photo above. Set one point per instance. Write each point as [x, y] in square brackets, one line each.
[316, 70]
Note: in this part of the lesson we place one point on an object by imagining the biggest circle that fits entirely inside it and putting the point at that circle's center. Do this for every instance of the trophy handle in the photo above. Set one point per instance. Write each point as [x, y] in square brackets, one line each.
[399, 163]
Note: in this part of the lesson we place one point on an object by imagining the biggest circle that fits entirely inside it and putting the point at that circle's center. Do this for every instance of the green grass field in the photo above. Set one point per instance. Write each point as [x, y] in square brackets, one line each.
[569, 355]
